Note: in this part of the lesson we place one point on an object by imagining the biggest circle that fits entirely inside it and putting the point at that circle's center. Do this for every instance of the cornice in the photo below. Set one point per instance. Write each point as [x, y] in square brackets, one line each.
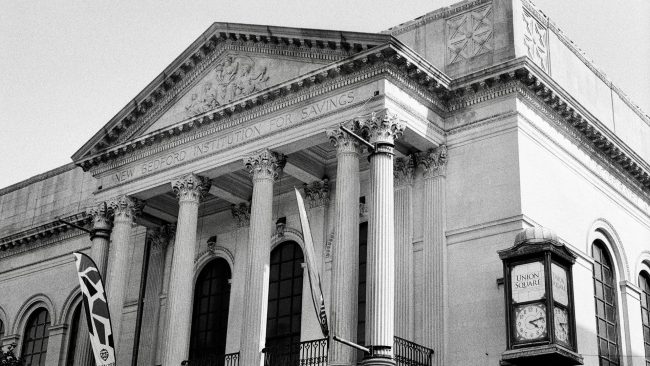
[582, 56]
[381, 60]
[37, 178]
[434, 15]
[43, 234]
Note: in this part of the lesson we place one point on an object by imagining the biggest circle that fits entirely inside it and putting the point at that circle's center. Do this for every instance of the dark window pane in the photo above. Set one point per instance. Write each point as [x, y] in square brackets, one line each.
[285, 293]
[605, 297]
[210, 315]
[37, 333]
[644, 283]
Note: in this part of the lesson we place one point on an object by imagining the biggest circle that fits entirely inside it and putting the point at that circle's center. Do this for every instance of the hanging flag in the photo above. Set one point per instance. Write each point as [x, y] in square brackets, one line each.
[96, 308]
[312, 268]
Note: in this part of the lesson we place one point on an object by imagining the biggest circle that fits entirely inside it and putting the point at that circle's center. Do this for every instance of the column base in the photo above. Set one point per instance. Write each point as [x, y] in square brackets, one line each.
[378, 361]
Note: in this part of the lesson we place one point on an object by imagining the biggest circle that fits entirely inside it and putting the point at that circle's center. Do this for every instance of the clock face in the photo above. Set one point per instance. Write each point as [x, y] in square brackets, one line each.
[530, 322]
[561, 325]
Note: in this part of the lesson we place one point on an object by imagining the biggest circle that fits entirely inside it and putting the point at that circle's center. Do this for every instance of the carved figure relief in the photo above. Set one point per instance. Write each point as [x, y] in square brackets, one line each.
[234, 77]
[469, 34]
[535, 41]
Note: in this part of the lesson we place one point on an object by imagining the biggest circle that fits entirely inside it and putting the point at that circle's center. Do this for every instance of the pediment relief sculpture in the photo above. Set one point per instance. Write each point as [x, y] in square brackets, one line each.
[231, 79]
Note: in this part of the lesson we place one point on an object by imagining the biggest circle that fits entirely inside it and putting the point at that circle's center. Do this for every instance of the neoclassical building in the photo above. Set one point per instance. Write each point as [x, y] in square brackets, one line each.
[483, 119]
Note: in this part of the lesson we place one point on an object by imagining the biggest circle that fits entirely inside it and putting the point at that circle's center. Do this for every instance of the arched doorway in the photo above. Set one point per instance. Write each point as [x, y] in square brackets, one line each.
[284, 305]
[210, 315]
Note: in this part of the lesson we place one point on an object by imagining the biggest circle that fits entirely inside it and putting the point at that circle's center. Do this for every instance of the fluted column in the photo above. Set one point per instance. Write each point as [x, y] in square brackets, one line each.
[434, 163]
[382, 131]
[189, 189]
[403, 170]
[100, 236]
[125, 209]
[345, 248]
[163, 314]
[265, 167]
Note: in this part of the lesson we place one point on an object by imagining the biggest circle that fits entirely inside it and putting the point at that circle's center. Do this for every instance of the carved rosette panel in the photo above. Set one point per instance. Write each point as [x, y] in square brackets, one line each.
[344, 143]
[191, 187]
[318, 193]
[535, 40]
[160, 237]
[469, 34]
[382, 128]
[125, 207]
[434, 161]
[235, 77]
[265, 164]
[404, 171]
[241, 213]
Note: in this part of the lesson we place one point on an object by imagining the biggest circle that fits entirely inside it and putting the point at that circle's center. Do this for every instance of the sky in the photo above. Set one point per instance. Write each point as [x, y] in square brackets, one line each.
[69, 66]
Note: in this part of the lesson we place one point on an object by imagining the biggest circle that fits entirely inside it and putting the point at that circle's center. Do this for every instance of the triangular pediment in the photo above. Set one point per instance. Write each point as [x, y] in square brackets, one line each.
[232, 76]
[226, 63]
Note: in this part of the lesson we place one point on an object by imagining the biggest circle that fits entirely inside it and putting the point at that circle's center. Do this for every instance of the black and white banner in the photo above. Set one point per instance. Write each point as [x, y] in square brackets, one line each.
[312, 268]
[96, 308]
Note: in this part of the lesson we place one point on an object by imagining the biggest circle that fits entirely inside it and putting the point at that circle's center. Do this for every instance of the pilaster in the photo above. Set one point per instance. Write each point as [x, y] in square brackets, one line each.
[189, 189]
[382, 129]
[164, 289]
[265, 167]
[125, 209]
[403, 175]
[434, 252]
[345, 247]
[55, 344]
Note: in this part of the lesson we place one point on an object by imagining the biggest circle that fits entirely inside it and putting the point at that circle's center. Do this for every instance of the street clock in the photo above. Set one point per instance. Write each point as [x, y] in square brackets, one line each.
[539, 307]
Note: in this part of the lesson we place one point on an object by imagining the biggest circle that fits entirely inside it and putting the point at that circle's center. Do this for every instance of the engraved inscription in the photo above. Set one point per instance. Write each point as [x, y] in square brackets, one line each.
[236, 137]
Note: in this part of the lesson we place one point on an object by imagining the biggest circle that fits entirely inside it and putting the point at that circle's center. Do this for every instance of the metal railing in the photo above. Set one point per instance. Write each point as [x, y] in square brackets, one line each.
[409, 353]
[308, 353]
[231, 359]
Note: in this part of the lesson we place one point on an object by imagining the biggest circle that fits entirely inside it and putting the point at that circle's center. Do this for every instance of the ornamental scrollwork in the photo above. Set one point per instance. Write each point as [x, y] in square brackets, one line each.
[125, 207]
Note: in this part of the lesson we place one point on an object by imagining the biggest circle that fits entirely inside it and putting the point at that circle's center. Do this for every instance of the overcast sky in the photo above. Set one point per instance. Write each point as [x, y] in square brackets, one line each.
[69, 66]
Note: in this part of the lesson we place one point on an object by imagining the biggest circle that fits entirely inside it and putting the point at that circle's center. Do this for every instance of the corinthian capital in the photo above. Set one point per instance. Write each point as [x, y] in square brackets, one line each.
[102, 217]
[161, 236]
[344, 143]
[403, 170]
[382, 128]
[241, 213]
[190, 187]
[318, 192]
[265, 164]
[434, 161]
[125, 207]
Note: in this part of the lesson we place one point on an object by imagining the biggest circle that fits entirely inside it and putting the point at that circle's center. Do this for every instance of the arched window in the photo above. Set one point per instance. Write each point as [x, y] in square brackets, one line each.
[35, 338]
[210, 315]
[606, 311]
[285, 304]
[644, 283]
[74, 334]
[2, 329]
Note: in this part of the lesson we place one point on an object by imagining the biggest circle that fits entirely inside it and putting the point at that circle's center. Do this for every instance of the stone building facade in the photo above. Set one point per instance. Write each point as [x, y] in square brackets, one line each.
[486, 120]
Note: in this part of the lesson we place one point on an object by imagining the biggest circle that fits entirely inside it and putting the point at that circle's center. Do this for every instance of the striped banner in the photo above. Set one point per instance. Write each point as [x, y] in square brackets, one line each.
[312, 268]
[96, 308]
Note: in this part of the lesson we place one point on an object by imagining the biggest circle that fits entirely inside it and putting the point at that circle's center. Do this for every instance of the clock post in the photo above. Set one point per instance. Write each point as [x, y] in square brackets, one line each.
[540, 316]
